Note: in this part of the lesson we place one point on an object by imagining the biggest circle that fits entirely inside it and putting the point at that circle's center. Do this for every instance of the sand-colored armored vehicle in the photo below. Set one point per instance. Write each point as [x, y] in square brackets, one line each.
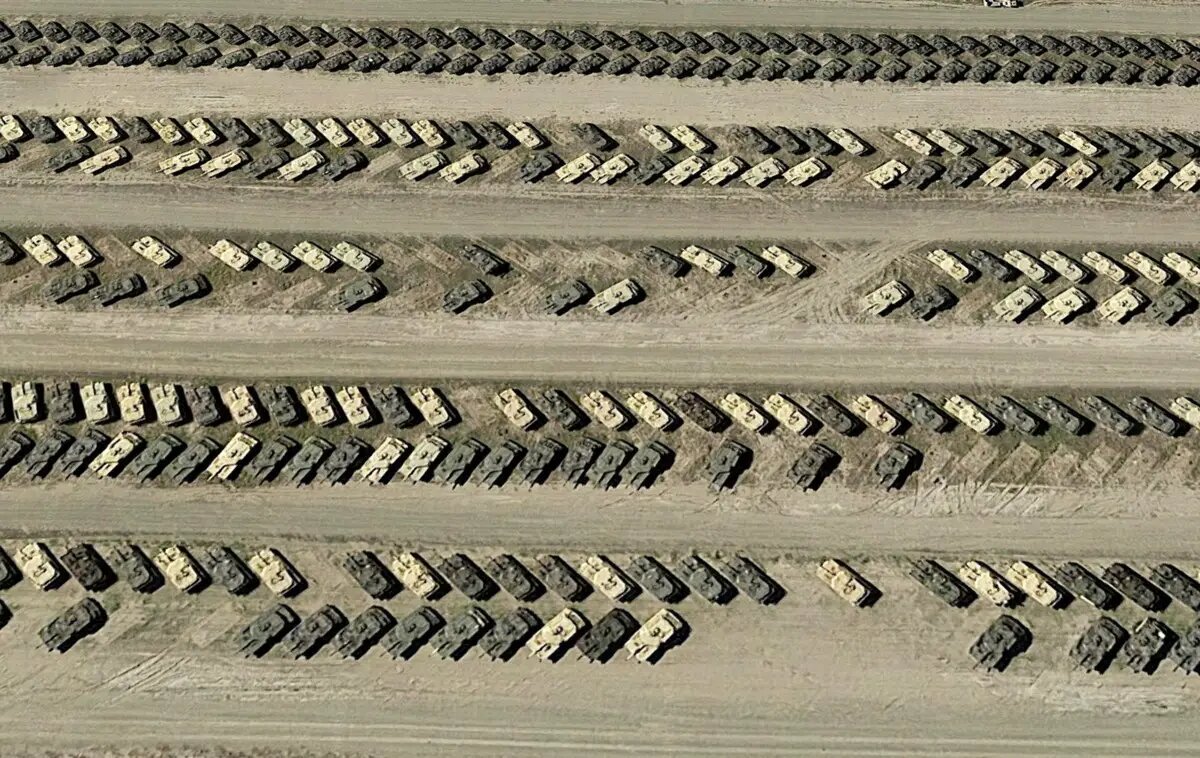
[224, 163]
[846, 582]
[1078, 173]
[787, 261]
[1120, 307]
[272, 256]
[616, 297]
[886, 174]
[517, 409]
[653, 411]
[1078, 142]
[789, 413]
[276, 573]
[1066, 305]
[333, 131]
[660, 139]
[1027, 265]
[365, 132]
[575, 170]
[685, 170]
[27, 402]
[1000, 642]
[723, 171]
[202, 131]
[1107, 267]
[115, 454]
[313, 256]
[527, 135]
[1187, 409]
[131, 399]
[1095, 649]
[43, 250]
[168, 130]
[243, 405]
[299, 167]
[705, 259]
[849, 141]
[1018, 304]
[970, 414]
[915, 142]
[417, 575]
[168, 405]
[180, 568]
[806, 172]
[877, 414]
[744, 411]
[1187, 178]
[430, 133]
[947, 142]
[882, 300]
[232, 456]
[231, 254]
[419, 168]
[300, 130]
[604, 408]
[1148, 267]
[607, 578]
[952, 265]
[1036, 584]
[549, 642]
[659, 632]
[988, 583]
[398, 132]
[356, 406]
[12, 129]
[1001, 172]
[78, 621]
[1153, 175]
[97, 402]
[155, 251]
[1041, 174]
[463, 168]
[1065, 267]
[1184, 266]
[378, 468]
[434, 407]
[74, 129]
[78, 251]
[691, 138]
[318, 400]
[613, 169]
[40, 566]
[425, 455]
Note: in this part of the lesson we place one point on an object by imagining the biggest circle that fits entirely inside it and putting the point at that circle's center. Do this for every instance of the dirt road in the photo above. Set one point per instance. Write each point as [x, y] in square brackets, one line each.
[1125, 17]
[334, 347]
[593, 98]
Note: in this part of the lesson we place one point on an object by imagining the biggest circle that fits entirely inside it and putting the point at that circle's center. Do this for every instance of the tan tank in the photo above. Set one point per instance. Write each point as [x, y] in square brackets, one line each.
[106, 129]
[273, 257]
[156, 251]
[1078, 173]
[1106, 267]
[685, 170]
[42, 249]
[848, 141]
[417, 466]
[168, 130]
[516, 408]
[1187, 269]
[653, 411]
[27, 402]
[313, 256]
[318, 401]
[202, 131]
[914, 142]
[184, 161]
[613, 169]
[845, 582]
[102, 161]
[984, 580]
[97, 404]
[180, 568]
[168, 405]
[970, 414]
[660, 139]
[604, 408]
[131, 399]
[119, 449]
[1000, 173]
[430, 133]
[298, 168]
[1066, 304]
[806, 172]
[12, 129]
[1079, 143]
[365, 132]
[354, 256]
[355, 405]
[1041, 174]
[787, 261]
[434, 407]
[1187, 409]
[1034, 583]
[1064, 266]
[231, 254]
[527, 135]
[1120, 307]
[953, 266]
[617, 296]
[243, 405]
[659, 631]
[416, 575]
[606, 578]
[39, 566]
[890, 295]
[947, 142]
[299, 130]
[1027, 265]
[399, 132]
[691, 138]
[547, 642]
[743, 410]
[760, 174]
[464, 168]
[74, 129]
[1147, 267]
[332, 130]
[789, 413]
[1187, 177]
[576, 169]
[276, 573]
[1153, 175]
[723, 171]
[1018, 304]
[704, 259]
[379, 466]
[231, 457]
[224, 163]
[876, 413]
[78, 251]
[886, 175]
[419, 168]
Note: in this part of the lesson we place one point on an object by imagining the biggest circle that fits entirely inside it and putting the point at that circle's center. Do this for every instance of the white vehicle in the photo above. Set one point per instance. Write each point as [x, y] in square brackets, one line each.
[659, 632]
[705, 260]
[947, 142]
[849, 141]
[155, 251]
[652, 410]
[527, 135]
[243, 405]
[806, 172]
[78, 251]
[236, 451]
[168, 131]
[106, 129]
[464, 168]
[1187, 269]
[332, 130]
[724, 170]
[574, 170]
[915, 142]
[273, 257]
[1079, 143]
[616, 297]
[419, 168]
[305, 164]
[970, 414]
[1034, 583]
[27, 402]
[613, 168]
[787, 261]
[74, 129]
[1078, 173]
[97, 404]
[276, 573]
[886, 175]
[1065, 267]
[313, 256]
[1187, 177]
[131, 399]
[184, 161]
[39, 566]
[684, 171]
[744, 411]
[882, 300]
[168, 403]
[660, 139]
[43, 250]
[1065, 305]
[1018, 304]
[1148, 267]
[1027, 265]
[760, 174]
[416, 575]
[299, 130]
[354, 256]
[11, 129]
[101, 162]
[224, 163]
[430, 133]
[606, 577]
[379, 467]
[560, 631]
[434, 407]
[1107, 267]
[952, 265]
[516, 408]
[1187, 409]
[180, 568]
[365, 132]
[1152, 176]
[988, 583]
[424, 456]
[1122, 306]
[202, 131]
[876, 413]
[355, 405]
[604, 408]
[120, 449]
[231, 254]
[692, 139]
[399, 132]
[1000, 173]
[318, 401]
[789, 413]
[1041, 174]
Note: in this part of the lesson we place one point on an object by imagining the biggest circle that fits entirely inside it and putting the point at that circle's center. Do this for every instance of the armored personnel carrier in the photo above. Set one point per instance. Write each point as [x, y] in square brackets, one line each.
[133, 565]
[456, 467]
[1087, 586]
[847, 583]
[606, 471]
[942, 583]
[370, 573]
[467, 577]
[41, 457]
[88, 568]
[659, 633]
[753, 581]
[1185, 653]
[656, 579]
[276, 572]
[552, 640]
[1178, 584]
[412, 631]
[1148, 643]
[560, 578]
[181, 569]
[228, 570]
[514, 578]
[1003, 639]
[1098, 645]
[262, 634]
[1136, 587]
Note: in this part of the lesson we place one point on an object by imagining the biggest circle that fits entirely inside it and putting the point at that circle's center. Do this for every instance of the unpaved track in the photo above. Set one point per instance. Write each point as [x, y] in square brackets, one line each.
[566, 214]
[695, 351]
[592, 98]
[1126, 17]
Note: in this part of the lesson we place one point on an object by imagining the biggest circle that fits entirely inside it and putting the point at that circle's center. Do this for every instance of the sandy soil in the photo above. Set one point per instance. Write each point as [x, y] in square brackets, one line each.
[593, 98]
